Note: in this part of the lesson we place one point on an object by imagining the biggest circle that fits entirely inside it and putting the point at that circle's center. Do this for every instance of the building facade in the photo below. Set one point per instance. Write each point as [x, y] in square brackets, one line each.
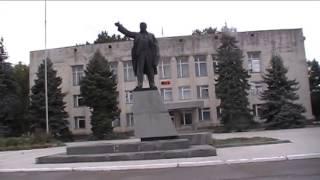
[186, 75]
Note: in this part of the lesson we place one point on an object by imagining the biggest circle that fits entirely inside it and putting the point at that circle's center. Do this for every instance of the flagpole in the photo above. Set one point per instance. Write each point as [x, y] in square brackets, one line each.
[45, 67]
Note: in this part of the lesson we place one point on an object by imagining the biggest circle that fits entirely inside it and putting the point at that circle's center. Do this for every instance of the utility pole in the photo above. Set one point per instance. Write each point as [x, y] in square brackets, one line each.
[45, 67]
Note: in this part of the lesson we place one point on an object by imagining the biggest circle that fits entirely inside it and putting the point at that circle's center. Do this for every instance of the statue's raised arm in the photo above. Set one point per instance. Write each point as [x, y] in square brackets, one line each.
[125, 31]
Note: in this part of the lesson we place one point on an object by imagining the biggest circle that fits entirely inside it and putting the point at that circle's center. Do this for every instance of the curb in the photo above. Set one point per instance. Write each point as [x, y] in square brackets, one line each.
[168, 165]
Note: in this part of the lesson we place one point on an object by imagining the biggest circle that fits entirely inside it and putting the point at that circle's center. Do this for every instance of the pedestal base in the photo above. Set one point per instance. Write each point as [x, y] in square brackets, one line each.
[151, 117]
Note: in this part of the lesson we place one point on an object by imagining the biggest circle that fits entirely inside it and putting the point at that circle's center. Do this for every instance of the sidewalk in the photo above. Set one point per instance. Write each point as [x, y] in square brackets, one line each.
[305, 144]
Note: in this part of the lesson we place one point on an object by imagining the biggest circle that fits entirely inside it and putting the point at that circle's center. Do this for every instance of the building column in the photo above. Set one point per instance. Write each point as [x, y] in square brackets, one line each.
[195, 118]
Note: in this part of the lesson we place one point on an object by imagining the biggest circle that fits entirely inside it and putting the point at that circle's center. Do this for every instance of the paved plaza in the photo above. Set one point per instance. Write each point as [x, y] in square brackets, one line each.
[305, 144]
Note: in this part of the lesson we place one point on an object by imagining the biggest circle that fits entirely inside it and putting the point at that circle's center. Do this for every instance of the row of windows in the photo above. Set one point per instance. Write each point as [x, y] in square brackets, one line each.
[80, 122]
[184, 93]
[165, 67]
[185, 118]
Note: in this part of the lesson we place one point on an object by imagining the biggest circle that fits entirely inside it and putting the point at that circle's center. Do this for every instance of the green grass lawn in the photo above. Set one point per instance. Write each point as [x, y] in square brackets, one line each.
[243, 141]
[29, 142]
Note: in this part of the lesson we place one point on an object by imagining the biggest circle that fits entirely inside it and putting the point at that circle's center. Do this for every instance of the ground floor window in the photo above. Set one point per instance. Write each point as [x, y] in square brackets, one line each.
[256, 110]
[130, 121]
[129, 97]
[219, 112]
[204, 114]
[79, 122]
[186, 118]
[116, 123]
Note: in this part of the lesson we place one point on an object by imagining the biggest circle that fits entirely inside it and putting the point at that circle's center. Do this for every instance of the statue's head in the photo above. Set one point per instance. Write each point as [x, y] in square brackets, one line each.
[143, 27]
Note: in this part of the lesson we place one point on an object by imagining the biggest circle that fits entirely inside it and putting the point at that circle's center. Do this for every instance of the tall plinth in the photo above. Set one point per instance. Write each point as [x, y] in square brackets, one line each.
[151, 118]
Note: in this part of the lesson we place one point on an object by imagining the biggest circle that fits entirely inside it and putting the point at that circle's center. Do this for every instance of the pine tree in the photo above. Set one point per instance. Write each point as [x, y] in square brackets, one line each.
[99, 92]
[8, 95]
[279, 108]
[58, 124]
[8, 99]
[21, 76]
[314, 81]
[3, 53]
[232, 86]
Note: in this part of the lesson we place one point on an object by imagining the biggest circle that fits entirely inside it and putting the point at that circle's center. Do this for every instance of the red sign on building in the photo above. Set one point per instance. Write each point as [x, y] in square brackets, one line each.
[167, 82]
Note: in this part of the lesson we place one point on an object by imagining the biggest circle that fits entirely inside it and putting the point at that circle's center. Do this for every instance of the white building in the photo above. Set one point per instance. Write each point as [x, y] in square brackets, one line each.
[186, 74]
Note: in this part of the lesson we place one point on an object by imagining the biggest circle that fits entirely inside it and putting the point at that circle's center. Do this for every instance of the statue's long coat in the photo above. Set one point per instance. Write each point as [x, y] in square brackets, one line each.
[137, 50]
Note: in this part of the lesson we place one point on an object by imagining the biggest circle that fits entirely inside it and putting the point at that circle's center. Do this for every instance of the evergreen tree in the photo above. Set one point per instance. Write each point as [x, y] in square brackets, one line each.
[21, 76]
[99, 92]
[232, 86]
[8, 99]
[3, 53]
[104, 37]
[58, 124]
[8, 95]
[279, 108]
[314, 81]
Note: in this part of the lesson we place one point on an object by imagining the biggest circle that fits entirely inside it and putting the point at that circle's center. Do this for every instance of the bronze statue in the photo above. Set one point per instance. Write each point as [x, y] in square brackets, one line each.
[145, 53]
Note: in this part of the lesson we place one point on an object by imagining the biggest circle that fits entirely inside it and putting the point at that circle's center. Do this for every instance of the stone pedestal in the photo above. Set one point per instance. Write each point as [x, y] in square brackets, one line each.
[151, 117]
[185, 146]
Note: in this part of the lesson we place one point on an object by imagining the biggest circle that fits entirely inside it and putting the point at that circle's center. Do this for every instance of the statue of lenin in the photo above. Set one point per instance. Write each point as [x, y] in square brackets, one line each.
[145, 53]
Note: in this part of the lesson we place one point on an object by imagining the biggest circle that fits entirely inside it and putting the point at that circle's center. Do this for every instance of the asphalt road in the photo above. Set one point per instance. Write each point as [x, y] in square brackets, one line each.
[307, 169]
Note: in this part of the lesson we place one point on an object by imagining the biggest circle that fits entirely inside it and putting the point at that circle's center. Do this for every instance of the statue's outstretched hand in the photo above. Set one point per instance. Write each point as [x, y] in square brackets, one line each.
[117, 24]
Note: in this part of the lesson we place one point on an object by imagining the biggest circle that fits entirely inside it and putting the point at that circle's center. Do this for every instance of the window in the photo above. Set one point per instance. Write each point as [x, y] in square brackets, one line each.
[254, 61]
[114, 68]
[219, 112]
[200, 65]
[130, 121]
[203, 92]
[186, 118]
[129, 97]
[256, 88]
[79, 122]
[128, 71]
[256, 110]
[182, 67]
[116, 123]
[166, 94]
[185, 92]
[77, 74]
[215, 63]
[216, 66]
[78, 101]
[204, 114]
[164, 68]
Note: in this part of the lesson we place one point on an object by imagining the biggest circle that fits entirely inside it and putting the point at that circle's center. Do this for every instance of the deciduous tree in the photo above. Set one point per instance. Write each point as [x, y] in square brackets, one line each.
[104, 37]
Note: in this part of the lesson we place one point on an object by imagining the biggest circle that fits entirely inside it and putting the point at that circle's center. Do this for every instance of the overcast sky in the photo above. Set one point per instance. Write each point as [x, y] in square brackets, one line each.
[75, 22]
